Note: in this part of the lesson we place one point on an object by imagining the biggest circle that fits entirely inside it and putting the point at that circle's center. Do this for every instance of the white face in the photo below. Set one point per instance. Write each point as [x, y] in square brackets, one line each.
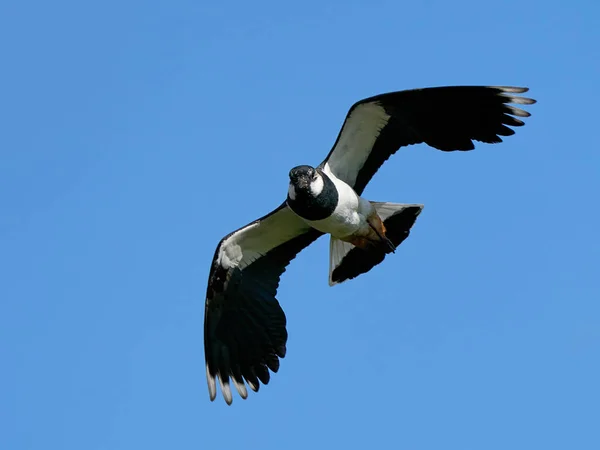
[316, 186]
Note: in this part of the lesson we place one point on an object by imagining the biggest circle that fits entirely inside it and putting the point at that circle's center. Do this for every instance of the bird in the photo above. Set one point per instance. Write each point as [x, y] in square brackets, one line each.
[245, 331]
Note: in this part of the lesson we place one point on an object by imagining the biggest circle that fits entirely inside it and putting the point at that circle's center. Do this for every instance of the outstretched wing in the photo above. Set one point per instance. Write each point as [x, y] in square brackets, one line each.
[446, 118]
[244, 326]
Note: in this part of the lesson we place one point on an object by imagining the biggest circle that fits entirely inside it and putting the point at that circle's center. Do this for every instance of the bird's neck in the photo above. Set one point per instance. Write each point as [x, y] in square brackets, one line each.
[315, 207]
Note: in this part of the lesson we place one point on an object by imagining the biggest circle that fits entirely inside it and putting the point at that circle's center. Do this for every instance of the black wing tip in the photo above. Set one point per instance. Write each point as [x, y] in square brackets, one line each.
[509, 113]
[243, 346]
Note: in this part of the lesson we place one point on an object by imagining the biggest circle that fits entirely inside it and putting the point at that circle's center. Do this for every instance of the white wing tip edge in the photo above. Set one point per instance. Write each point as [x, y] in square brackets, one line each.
[225, 388]
[212, 385]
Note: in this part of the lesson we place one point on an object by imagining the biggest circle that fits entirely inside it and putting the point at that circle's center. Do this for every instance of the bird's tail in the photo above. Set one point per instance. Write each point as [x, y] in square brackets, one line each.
[347, 261]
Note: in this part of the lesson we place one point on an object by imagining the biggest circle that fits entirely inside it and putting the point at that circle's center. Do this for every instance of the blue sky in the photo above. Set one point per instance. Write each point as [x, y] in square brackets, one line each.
[136, 134]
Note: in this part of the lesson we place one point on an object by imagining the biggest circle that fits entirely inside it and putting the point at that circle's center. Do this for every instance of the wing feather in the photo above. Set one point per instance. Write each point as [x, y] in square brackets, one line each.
[244, 326]
[446, 118]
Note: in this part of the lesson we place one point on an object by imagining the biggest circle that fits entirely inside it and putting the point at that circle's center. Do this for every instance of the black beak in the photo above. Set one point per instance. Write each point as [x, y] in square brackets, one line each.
[302, 183]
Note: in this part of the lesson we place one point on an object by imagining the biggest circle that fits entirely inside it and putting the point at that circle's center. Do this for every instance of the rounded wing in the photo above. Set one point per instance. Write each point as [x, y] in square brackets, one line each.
[244, 326]
[446, 118]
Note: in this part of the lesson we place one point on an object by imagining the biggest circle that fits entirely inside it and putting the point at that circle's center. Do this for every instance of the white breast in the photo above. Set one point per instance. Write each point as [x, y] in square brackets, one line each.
[350, 215]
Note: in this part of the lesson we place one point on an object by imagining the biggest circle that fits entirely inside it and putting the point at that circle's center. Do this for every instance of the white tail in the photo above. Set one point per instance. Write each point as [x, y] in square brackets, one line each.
[338, 250]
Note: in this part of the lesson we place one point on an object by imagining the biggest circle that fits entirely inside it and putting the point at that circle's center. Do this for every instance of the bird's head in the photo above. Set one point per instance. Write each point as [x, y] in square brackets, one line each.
[306, 181]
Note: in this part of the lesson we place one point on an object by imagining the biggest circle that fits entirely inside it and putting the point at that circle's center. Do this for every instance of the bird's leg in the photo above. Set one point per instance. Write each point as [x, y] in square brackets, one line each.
[378, 227]
[375, 236]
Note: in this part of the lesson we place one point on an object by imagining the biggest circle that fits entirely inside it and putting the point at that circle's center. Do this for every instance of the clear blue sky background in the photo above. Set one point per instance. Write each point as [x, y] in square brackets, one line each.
[136, 134]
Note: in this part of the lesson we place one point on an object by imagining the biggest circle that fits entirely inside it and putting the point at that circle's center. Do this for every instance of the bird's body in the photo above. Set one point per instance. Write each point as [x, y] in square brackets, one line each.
[244, 326]
[347, 212]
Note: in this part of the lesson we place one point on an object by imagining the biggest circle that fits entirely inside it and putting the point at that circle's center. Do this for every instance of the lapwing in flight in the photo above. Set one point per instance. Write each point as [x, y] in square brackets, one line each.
[244, 326]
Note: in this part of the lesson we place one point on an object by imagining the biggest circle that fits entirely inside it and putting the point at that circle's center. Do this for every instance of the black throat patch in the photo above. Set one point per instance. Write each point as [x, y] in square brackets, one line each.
[320, 207]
